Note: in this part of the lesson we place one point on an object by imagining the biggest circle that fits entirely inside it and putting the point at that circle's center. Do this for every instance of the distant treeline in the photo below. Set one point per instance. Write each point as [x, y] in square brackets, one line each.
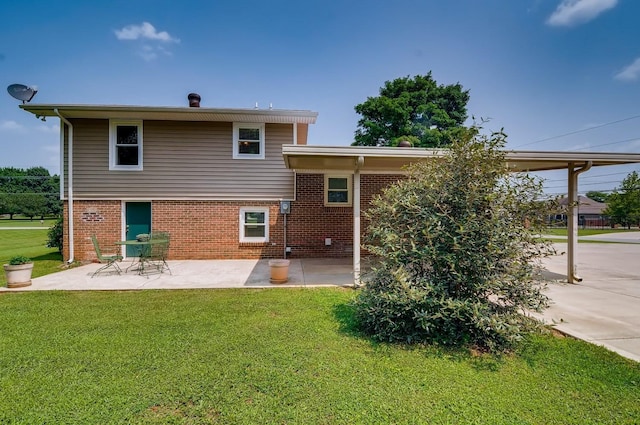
[32, 192]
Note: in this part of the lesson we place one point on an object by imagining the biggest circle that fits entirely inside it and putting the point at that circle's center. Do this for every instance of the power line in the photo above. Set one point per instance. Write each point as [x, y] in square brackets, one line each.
[588, 177]
[584, 184]
[579, 131]
[607, 144]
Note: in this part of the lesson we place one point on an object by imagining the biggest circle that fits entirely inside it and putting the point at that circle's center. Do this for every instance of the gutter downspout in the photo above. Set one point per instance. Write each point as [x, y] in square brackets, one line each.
[356, 221]
[70, 179]
[572, 218]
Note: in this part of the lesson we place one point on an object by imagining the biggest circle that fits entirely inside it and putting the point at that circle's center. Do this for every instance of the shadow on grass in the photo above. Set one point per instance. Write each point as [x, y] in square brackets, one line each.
[50, 256]
[345, 315]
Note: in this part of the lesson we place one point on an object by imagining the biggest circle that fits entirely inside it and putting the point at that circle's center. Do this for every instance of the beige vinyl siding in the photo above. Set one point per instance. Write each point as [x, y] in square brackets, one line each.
[182, 160]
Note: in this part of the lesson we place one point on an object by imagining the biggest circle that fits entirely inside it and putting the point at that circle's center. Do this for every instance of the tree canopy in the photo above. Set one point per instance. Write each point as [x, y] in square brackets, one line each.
[598, 196]
[416, 109]
[456, 243]
[31, 192]
[623, 205]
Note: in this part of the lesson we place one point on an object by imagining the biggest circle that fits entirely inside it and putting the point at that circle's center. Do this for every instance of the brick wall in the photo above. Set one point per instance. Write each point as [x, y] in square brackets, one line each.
[199, 229]
[311, 222]
[210, 229]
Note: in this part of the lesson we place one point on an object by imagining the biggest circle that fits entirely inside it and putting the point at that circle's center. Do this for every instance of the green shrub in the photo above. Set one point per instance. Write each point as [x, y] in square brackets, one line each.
[456, 248]
[19, 260]
[54, 237]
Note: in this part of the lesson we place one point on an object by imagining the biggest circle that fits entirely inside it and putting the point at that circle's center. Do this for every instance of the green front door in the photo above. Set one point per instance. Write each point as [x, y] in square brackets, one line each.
[138, 220]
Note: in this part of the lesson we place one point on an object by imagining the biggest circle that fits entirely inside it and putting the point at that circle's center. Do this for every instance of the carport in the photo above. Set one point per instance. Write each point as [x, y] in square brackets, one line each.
[358, 160]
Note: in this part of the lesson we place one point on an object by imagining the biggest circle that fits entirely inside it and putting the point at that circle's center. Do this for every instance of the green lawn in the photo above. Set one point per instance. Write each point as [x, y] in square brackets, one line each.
[274, 357]
[25, 222]
[585, 232]
[30, 243]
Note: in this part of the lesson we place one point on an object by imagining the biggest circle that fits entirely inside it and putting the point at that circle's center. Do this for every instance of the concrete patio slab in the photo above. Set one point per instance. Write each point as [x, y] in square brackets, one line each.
[193, 274]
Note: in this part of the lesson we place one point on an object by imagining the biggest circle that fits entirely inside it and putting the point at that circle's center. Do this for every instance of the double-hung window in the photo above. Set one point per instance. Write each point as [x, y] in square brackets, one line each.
[248, 141]
[254, 224]
[337, 191]
[125, 145]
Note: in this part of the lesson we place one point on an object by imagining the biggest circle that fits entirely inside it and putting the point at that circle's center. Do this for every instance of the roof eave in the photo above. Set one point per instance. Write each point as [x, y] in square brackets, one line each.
[385, 159]
[172, 113]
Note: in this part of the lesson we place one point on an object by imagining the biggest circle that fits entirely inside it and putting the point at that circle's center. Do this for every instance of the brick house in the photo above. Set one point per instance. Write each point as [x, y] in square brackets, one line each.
[231, 183]
[214, 178]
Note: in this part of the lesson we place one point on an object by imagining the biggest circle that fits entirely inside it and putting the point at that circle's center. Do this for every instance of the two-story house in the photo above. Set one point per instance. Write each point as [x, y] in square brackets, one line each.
[236, 183]
[214, 178]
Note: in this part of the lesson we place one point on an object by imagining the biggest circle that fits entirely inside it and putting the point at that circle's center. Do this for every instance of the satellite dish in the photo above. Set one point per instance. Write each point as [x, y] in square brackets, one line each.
[22, 92]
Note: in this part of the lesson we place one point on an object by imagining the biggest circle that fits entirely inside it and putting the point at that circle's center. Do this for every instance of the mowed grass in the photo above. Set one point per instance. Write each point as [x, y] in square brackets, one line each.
[586, 232]
[279, 356]
[25, 222]
[30, 243]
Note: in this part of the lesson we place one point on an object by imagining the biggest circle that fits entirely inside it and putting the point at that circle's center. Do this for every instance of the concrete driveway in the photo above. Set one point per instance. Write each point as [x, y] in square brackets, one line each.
[605, 307]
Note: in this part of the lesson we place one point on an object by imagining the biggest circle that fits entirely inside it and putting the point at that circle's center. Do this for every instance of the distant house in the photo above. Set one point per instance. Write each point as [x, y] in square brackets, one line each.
[590, 212]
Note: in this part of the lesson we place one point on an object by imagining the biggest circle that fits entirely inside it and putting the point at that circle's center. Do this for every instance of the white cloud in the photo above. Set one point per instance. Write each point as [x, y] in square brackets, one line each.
[630, 72]
[150, 43]
[144, 31]
[11, 126]
[54, 129]
[575, 12]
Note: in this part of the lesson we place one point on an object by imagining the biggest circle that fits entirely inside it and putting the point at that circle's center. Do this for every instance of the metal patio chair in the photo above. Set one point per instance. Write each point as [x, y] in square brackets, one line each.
[109, 260]
[155, 257]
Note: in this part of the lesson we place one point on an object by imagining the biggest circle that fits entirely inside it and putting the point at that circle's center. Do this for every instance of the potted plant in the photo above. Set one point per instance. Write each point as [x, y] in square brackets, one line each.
[18, 271]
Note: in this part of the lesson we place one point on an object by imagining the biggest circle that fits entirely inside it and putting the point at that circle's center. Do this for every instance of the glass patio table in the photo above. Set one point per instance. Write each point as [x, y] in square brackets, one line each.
[143, 248]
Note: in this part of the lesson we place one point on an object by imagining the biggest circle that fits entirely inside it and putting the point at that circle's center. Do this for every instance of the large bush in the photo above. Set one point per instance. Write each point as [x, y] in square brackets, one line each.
[456, 248]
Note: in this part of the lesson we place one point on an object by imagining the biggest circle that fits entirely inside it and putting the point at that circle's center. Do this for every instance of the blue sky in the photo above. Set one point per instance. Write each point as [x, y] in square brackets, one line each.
[537, 68]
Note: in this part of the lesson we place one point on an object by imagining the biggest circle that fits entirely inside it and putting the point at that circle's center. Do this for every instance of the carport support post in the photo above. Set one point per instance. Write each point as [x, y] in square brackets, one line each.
[572, 220]
[356, 221]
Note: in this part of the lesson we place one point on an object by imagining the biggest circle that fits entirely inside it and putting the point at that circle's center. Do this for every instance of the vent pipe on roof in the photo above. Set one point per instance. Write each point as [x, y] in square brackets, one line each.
[194, 100]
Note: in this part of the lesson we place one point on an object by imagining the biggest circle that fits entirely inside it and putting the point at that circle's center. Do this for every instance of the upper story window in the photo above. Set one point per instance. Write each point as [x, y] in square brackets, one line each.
[254, 224]
[337, 191]
[125, 145]
[248, 141]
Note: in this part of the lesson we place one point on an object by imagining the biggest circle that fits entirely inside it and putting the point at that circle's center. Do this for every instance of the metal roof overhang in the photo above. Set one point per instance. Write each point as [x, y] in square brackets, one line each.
[383, 159]
[278, 116]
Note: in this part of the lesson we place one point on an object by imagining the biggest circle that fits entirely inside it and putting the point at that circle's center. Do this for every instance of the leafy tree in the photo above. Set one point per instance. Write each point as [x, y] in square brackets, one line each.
[456, 248]
[597, 196]
[32, 204]
[623, 205]
[31, 191]
[430, 115]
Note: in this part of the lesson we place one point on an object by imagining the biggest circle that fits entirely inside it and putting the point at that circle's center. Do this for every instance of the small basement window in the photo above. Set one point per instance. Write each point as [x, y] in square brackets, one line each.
[337, 191]
[248, 141]
[254, 224]
[125, 145]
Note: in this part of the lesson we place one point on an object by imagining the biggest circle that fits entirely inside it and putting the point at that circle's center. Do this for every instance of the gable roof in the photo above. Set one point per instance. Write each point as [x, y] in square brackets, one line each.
[278, 116]
[586, 205]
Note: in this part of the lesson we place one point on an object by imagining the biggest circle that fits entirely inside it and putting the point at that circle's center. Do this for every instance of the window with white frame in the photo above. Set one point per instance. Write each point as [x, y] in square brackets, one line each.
[125, 145]
[254, 224]
[248, 141]
[337, 191]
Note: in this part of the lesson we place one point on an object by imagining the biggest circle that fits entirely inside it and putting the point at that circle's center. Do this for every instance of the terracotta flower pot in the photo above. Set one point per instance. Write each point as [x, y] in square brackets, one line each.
[19, 275]
[279, 271]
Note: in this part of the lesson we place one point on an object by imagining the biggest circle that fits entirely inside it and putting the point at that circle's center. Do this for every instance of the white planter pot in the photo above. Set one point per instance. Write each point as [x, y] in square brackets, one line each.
[279, 271]
[19, 275]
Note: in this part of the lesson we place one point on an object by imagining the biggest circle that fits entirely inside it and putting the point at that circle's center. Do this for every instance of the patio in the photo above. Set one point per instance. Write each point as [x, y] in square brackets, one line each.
[192, 274]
